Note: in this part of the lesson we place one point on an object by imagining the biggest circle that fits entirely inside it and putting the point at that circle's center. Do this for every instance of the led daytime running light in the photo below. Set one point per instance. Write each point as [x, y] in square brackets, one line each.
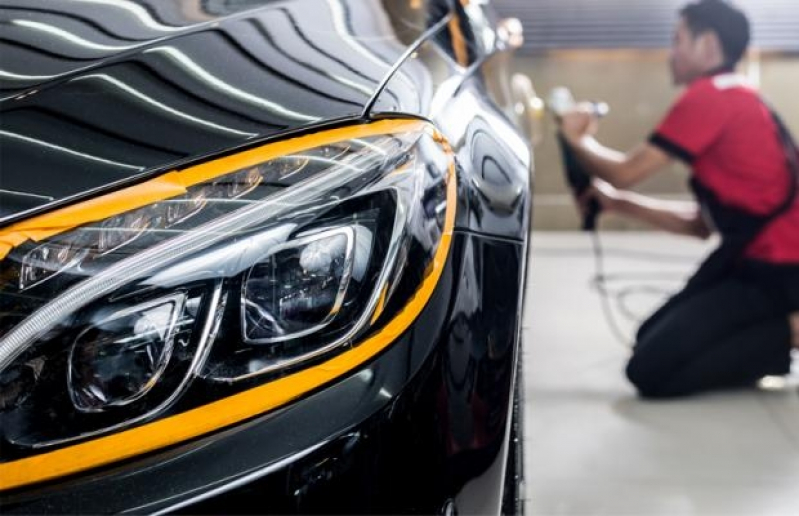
[151, 260]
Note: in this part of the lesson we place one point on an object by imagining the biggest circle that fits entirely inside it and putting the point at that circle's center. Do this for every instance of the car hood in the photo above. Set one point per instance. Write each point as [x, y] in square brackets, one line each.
[101, 92]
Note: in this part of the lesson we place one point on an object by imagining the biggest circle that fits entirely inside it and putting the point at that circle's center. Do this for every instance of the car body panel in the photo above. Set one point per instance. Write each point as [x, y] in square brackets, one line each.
[115, 115]
[434, 84]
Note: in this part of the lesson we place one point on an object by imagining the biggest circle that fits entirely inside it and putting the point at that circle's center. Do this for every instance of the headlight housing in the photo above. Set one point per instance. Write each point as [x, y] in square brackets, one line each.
[149, 304]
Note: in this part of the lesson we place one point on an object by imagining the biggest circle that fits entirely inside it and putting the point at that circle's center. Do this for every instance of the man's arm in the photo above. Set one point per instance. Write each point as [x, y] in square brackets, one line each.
[614, 170]
[680, 217]
[621, 170]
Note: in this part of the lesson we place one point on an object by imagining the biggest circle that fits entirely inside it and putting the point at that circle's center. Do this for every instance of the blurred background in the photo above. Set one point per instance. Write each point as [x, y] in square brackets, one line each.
[616, 51]
[591, 446]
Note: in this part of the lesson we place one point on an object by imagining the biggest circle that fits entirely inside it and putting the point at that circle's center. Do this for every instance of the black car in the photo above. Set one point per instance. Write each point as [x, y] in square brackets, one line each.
[258, 257]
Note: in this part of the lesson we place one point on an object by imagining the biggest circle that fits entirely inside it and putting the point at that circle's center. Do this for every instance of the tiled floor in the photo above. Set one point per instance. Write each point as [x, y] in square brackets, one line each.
[592, 447]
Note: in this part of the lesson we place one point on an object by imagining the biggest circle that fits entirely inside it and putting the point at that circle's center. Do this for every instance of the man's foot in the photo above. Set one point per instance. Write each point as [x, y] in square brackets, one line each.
[794, 320]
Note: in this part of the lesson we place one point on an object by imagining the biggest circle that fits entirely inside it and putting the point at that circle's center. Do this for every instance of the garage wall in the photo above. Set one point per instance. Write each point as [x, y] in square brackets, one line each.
[558, 24]
[627, 67]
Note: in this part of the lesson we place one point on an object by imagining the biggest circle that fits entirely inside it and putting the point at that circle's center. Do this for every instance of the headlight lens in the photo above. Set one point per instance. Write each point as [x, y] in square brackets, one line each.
[116, 360]
[298, 288]
[238, 272]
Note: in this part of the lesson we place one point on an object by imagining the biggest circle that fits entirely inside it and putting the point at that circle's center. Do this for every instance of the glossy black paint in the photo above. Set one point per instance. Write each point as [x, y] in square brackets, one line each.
[82, 112]
[495, 157]
[426, 423]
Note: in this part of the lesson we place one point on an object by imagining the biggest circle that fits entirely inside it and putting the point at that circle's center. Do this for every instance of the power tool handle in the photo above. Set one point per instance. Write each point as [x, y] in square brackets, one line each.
[579, 181]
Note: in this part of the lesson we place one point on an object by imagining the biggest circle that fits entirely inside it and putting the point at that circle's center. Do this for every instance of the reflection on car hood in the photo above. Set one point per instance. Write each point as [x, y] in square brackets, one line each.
[101, 91]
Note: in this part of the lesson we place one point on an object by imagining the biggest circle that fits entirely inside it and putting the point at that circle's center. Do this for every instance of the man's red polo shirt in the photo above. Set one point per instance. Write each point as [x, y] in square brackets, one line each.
[721, 127]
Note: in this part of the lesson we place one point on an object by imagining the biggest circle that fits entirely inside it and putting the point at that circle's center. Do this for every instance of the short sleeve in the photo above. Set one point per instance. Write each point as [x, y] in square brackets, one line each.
[694, 122]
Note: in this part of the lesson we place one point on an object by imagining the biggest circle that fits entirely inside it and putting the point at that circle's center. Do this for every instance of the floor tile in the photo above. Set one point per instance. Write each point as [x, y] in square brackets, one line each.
[592, 446]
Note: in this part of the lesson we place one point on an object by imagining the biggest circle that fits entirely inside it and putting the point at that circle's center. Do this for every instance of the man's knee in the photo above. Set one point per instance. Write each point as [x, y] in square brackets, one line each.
[640, 373]
[654, 364]
[649, 369]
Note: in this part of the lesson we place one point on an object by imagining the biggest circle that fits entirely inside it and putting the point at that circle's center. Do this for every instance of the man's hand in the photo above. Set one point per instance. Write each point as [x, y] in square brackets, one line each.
[580, 122]
[794, 320]
[679, 217]
[604, 193]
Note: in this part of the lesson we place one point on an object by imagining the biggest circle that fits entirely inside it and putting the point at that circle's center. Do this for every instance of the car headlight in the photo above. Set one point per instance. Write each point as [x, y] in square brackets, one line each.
[274, 269]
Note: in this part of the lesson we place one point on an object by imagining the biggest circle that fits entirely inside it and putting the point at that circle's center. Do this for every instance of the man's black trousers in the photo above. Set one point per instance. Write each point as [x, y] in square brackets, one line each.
[718, 333]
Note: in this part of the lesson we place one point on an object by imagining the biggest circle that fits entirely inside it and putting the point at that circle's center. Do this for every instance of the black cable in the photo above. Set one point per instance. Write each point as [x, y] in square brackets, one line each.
[608, 296]
[579, 181]
[598, 282]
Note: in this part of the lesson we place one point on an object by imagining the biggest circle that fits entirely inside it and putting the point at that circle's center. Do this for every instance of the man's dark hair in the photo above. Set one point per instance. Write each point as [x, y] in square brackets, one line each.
[728, 22]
